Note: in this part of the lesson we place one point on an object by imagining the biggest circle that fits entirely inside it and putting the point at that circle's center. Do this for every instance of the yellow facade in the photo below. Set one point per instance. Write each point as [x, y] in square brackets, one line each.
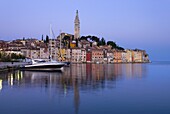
[61, 54]
[72, 45]
[129, 55]
[117, 56]
[137, 56]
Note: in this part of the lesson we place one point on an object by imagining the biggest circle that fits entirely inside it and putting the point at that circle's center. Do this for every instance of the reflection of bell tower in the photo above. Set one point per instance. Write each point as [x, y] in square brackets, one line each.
[76, 26]
[76, 96]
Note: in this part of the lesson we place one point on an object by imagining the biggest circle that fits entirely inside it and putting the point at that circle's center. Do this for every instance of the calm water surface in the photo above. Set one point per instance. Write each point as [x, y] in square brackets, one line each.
[88, 89]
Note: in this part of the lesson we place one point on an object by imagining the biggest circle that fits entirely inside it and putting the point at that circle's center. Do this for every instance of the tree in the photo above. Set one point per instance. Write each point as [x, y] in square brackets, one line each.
[42, 38]
[91, 44]
[120, 48]
[94, 38]
[5, 57]
[72, 37]
[14, 56]
[83, 38]
[69, 44]
[113, 44]
[76, 42]
[47, 39]
[89, 36]
[103, 42]
[21, 56]
[66, 38]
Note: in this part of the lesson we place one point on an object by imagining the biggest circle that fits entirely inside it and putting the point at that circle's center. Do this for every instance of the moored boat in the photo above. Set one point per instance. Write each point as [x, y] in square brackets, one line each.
[42, 65]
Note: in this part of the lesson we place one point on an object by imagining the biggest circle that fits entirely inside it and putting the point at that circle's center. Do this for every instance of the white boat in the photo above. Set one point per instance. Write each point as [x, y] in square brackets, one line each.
[42, 65]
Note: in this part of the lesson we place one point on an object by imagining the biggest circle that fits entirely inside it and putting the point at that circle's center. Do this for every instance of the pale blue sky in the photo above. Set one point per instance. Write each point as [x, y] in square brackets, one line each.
[143, 24]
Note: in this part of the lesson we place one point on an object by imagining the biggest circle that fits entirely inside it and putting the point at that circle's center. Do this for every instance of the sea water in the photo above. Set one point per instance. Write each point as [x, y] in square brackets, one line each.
[88, 89]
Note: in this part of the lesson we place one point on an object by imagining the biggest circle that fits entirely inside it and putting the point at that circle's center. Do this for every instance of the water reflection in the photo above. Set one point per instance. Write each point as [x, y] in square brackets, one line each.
[76, 78]
[0, 84]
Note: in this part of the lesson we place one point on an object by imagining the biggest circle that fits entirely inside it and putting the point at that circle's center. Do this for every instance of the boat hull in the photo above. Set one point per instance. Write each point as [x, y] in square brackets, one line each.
[43, 67]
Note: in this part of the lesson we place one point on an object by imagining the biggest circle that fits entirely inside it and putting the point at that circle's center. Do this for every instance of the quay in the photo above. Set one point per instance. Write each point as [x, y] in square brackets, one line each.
[10, 66]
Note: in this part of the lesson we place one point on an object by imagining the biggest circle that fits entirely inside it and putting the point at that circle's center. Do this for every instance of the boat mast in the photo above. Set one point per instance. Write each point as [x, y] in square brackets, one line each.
[60, 39]
[60, 47]
[50, 42]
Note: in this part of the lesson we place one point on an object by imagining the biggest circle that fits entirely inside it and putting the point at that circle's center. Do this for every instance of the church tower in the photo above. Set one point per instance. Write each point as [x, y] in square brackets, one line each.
[76, 26]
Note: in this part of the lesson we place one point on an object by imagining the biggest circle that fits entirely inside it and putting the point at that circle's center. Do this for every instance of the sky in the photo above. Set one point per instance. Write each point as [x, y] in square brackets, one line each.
[142, 24]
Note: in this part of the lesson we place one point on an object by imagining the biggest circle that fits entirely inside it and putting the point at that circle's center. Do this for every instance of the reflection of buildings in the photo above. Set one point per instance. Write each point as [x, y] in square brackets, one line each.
[135, 70]
[117, 70]
[0, 84]
[11, 78]
[77, 74]
[74, 79]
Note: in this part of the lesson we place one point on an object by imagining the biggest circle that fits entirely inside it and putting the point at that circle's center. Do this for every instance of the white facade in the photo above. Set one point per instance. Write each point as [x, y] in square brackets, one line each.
[35, 54]
[78, 55]
[44, 53]
[124, 59]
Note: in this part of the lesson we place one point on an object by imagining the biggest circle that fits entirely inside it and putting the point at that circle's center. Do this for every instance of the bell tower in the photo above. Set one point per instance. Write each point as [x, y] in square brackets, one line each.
[76, 26]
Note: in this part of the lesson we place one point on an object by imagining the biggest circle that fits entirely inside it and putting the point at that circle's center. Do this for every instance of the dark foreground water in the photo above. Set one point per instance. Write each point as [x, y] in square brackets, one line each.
[88, 89]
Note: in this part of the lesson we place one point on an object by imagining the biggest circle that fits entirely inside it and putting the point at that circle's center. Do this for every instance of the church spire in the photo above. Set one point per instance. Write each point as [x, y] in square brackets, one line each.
[76, 26]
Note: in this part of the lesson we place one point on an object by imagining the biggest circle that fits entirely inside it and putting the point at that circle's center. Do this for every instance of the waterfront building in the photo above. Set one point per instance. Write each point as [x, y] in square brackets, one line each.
[88, 55]
[64, 35]
[68, 54]
[105, 49]
[76, 26]
[44, 53]
[117, 56]
[66, 40]
[15, 45]
[3, 45]
[52, 49]
[76, 55]
[73, 44]
[145, 56]
[62, 54]
[84, 44]
[129, 55]
[9, 52]
[35, 53]
[124, 55]
[83, 55]
[26, 52]
[137, 55]
[110, 56]
[97, 55]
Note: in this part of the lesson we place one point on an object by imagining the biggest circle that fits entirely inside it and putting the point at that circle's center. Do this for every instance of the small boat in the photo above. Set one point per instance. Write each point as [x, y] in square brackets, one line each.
[66, 63]
[42, 65]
